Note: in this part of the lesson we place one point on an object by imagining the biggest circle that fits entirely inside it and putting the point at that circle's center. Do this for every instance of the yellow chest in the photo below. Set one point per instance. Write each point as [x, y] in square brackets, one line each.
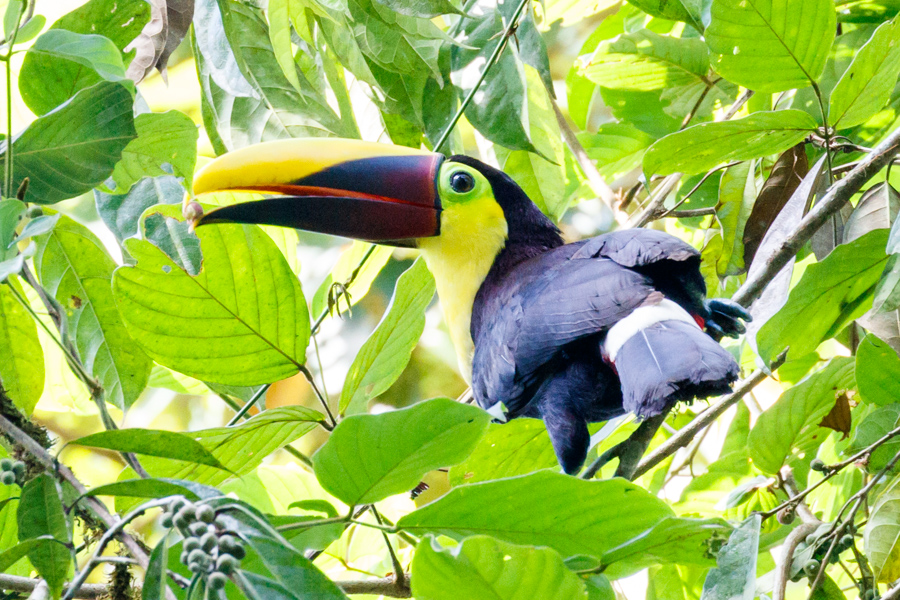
[471, 237]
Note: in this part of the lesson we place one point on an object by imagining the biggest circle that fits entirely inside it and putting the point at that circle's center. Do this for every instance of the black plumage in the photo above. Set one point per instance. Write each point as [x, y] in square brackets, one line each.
[541, 315]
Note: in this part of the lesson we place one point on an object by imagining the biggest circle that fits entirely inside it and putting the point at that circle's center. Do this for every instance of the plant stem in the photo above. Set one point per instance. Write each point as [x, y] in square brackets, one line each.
[248, 405]
[495, 55]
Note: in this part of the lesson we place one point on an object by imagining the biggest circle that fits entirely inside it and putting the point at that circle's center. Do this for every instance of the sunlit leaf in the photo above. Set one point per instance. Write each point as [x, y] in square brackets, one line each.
[878, 371]
[757, 43]
[702, 147]
[482, 567]
[882, 536]
[735, 575]
[386, 353]
[152, 442]
[400, 447]
[245, 288]
[41, 514]
[22, 362]
[792, 423]
[871, 429]
[93, 51]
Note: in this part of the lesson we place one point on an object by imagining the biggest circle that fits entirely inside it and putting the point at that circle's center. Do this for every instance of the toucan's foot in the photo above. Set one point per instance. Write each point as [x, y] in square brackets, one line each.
[725, 318]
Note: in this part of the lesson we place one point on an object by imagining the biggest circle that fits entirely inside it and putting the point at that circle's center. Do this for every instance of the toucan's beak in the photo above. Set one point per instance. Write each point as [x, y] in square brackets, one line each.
[361, 190]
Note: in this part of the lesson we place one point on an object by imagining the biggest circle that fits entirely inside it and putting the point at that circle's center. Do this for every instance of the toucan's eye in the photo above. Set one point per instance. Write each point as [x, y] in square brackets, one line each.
[462, 182]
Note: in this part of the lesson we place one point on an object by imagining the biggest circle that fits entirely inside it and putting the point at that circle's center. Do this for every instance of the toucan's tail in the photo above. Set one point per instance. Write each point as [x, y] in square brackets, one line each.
[662, 356]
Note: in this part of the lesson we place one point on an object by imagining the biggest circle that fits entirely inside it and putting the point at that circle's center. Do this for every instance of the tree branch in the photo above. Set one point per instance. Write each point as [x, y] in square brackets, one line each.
[836, 197]
[26, 585]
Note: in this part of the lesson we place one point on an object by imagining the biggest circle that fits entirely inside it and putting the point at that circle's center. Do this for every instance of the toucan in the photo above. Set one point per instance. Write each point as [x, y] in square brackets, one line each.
[570, 333]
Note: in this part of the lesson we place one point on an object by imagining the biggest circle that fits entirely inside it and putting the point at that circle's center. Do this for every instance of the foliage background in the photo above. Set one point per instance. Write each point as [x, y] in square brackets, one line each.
[626, 78]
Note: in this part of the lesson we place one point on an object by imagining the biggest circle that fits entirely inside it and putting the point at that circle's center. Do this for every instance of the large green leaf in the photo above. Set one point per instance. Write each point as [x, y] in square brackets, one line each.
[154, 587]
[240, 448]
[41, 514]
[166, 144]
[73, 267]
[515, 448]
[672, 540]
[386, 353]
[702, 147]
[122, 212]
[93, 51]
[300, 113]
[22, 361]
[882, 536]
[73, 148]
[866, 85]
[877, 371]
[152, 442]
[761, 45]
[735, 576]
[370, 457]
[294, 571]
[643, 61]
[46, 81]
[791, 425]
[482, 567]
[830, 295]
[241, 321]
[570, 515]
[737, 193]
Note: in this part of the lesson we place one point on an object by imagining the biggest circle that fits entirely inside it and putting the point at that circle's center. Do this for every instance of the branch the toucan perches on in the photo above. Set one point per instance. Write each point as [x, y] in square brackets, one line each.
[571, 333]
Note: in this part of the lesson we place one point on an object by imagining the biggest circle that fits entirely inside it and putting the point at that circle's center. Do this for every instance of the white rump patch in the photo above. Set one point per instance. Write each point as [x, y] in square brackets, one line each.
[498, 411]
[642, 318]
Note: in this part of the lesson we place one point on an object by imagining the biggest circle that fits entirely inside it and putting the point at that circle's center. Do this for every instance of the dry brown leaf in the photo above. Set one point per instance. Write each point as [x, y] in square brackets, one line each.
[150, 43]
[839, 418]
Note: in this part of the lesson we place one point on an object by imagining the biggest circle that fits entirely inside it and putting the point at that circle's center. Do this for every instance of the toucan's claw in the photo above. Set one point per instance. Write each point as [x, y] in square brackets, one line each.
[725, 318]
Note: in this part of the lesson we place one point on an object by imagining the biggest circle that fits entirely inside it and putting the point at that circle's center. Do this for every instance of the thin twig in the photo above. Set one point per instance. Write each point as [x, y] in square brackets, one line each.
[26, 585]
[400, 578]
[107, 537]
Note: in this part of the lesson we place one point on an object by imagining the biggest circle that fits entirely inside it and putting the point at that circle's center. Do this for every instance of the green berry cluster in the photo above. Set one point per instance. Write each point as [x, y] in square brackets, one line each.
[209, 548]
[820, 547]
[12, 471]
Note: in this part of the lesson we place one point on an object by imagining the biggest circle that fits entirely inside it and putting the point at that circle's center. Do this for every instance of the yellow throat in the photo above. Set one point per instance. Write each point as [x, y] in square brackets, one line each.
[472, 234]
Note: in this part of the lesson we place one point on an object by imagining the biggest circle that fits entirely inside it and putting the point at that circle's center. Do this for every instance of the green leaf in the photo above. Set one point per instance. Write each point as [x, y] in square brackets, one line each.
[37, 545]
[791, 425]
[543, 177]
[240, 448]
[164, 226]
[737, 193]
[12, 17]
[515, 448]
[74, 148]
[294, 571]
[120, 22]
[30, 29]
[155, 488]
[877, 371]
[498, 111]
[370, 457]
[280, 37]
[701, 147]
[122, 212]
[871, 429]
[300, 113]
[830, 295]
[11, 213]
[616, 148]
[154, 587]
[166, 144]
[386, 353]
[482, 567]
[672, 540]
[22, 361]
[735, 574]
[877, 209]
[427, 9]
[74, 268]
[570, 515]
[93, 51]
[40, 514]
[644, 61]
[866, 85]
[759, 45]
[882, 536]
[241, 321]
[679, 10]
[152, 442]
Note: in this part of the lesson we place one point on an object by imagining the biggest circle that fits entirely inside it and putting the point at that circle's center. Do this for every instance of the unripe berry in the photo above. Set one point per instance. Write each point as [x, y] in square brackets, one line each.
[812, 567]
[209, 541]
[786, 515]
[184, 557]
[197, 528]
[869, 595]
[231, 545]
[192, 210]
[191, 543]
[206, 513]
[166, 520]
[846, 542]
[817, 464]
[227, 564]
[34, 212]
[217, 581]
[177, 504]
[6, 464]
[19, 468]
[8, 478]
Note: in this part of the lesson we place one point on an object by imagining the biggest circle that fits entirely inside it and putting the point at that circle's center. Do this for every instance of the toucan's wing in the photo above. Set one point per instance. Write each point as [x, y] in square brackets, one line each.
[638, 248]
[544, 305]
